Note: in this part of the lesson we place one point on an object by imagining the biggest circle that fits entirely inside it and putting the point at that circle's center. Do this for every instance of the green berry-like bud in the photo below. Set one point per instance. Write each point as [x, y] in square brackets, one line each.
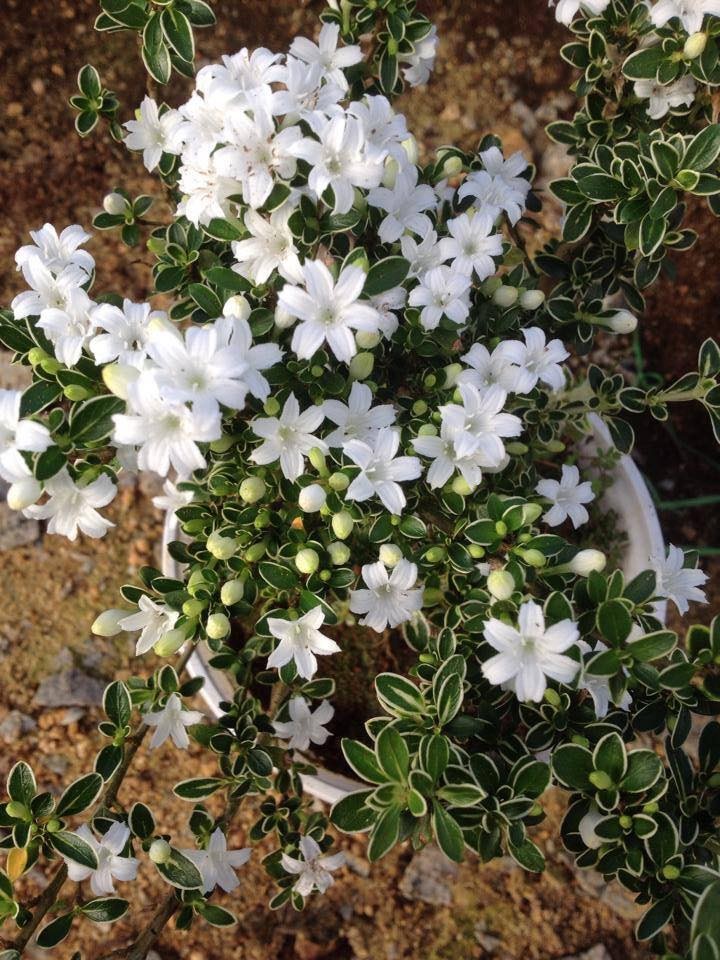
[217, 626]
[390, 554]
[476, 551]
[501, 528]
[307, 561]
[53, 826]
[625, 821]
[36, 355]
[670, 871]
[51, 365]
[419, 408]
[317, 459]
[160, 851]
[18, 810]
[600, 779]
[505, 296]
[361, 366]
[255, 552]
[367, 339]
[435, 554]
[232, 592]
[252, 489]
[452, 166]
[338, 481]
[75, 392]
[193, 608]
[342, 524]
[501, 584]
[430, 381]
[170, 643]
[534, 558]
[223, 444]
[271, 407]
[222, 548]
[339, 553]
[461, 486]
[432, 596]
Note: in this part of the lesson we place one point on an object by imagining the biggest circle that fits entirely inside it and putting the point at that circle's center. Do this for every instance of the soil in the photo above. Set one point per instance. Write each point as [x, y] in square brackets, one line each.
[498, 70]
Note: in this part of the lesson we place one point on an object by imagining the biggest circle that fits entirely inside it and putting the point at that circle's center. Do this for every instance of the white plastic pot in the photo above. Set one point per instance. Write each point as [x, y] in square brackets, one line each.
[628, 497]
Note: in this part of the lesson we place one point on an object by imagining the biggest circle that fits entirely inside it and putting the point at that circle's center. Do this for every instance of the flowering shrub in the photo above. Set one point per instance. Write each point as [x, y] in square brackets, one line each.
[362, 406]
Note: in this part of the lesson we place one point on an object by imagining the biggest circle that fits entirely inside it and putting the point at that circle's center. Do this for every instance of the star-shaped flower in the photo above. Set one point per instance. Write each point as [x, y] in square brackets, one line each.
[301, 641]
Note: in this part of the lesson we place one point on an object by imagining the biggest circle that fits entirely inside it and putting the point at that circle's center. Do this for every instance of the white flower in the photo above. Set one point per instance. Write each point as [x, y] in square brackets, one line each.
[127, 332]
[71, 507]
[422, 59]
[358, 419]
[404, 205]
[57, 252]
[453, 450]
[24, 489]
[171, 721]
[47, 289]
[567, 497]
[389, 599]
[301, 641]
[599, 687]
[154, 133]
[111, 866]
[172, 498]
[217, 864]
[288, 438]
[338, 158]
[380, 470]
[328, 310]
[423, 256]
[166, 433]
[153, 619]
[313, 870]
[665, 97]
[255, 152]
[490, 368]
[386, 303]
[535, 360]
[206, 191]
[270, 247]
[566, 9]
[442, 292]
[588, 823]
[240, 78]
[481, 416]
[530, 653]
[689, 12]
[384, 129]
[17, 434]
[332, 59]
[70, 327]
[307, 90]
[305, 725]
[677, 582]
[498, 187]
[472, 245]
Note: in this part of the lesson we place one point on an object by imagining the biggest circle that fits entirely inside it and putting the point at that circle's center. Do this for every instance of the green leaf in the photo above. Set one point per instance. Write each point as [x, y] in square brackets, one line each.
[55, 932]
[198, 12]
[449, 698]
[392, 754]
[644, 64]
[577, 222]
[79, 795]
[399, 696]
[652, 646]
[88, 81]
[363, 761]
[92, 419]
[614, 621]
[703, 149]
[21, 785]
[117, 704]
[385, 275]
[384, 834]
[461, 794]
[528, 855]
[351, 814]
[74, 848]
[447, 833]
[278, 576]
[610, 756]
[601, 187]
[706, 919]
[178, 33]
[654, 919]
[206, 299]
[641, 588]
[155, 53]
[572, 766]
[180, 872]
[216, 916]
[643, 771]
[198, 788]
[141, 821]
[105, 909]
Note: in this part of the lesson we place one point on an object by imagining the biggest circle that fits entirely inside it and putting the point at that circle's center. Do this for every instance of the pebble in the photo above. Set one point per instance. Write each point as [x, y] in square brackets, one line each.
[15, 725]
[428, 876]
[15, 529]
[70, 688]
[598, 952]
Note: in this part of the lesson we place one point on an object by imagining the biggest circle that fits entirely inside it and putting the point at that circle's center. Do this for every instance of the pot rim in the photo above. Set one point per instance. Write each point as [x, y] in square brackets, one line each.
[634, 504]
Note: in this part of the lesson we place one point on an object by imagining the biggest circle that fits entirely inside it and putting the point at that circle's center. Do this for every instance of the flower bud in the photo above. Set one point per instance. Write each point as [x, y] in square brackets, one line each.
[435, 554]
[501, 584]
[17, 860]
[222, 444]
[532, 299]
[255, 552]
[23, 493]
[312, 498]
[17, 810]
[74, 392]
[410, 146]
[389, 177]
[452, 166]
[217, 626]
[252, 489]
[432, 596]
[115, 204]
[232, 592]
[338, 481]
[587, 561]
[534, 558]
[586, 828]
[36, 355]
[339, 553]
[160, 851]
[695, 45]
[419, 408]
[118, 377]
[600, 779]
[476, 551]
[237, 306]
[361, 366]
[50, 365]
[505, 296]
[222, 548]
[390, 554]
[461, 486]
[193, 608]
[452, 372]
[428, 430]
[342, 524]
[623, 322]
[317, 459]
[108, 623]
[283, 319]
[367, 339]
[170, 643]
[491, 286]
[307, 561]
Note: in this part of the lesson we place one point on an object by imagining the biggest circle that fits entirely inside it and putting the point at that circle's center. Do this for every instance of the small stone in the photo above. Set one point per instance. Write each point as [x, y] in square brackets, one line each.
[598, 952]
[15, 529]
[71, 715]
[70, 688]
[427, 876]
[15, 725]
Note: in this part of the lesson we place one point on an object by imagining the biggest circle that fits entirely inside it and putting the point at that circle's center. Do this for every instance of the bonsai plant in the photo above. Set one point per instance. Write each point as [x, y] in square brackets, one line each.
[365, 399]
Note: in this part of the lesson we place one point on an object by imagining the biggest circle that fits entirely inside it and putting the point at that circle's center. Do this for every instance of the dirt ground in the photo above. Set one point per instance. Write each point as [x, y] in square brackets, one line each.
[498, 70]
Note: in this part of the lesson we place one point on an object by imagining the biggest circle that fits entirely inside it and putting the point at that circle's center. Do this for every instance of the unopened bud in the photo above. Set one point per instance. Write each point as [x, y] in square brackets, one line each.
[435, 554]
[36, 355]
[75, 393]
[501, 584]
[461, 486]
[367, 339]
[339, 553]
[255, 552]
[237, 306]
[115, 204]
[361, 366]
[217, 626]
[452, 372]
[390, 172]
[505, 296]
[170, 643]
[532, 299]
[271, 407]
[452, 166]
[317, 459]
[252, 489]
[338, 481]
[695, 45]
[312, 498]
[342, 524]
[410, 146]
[193, 608]
[23, 493]
[586, 562]
[222, 548]
[160, 851]
[283, 319]
[108, 623]
[118, 377]
[534, 558]
[390, 554]
[623, 322]
[307, 561]
[17, 810]
[232, 592]
[222, 444]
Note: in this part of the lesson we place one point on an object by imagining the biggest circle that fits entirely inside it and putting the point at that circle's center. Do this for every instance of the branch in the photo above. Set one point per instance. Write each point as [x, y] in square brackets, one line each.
[45, 903]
